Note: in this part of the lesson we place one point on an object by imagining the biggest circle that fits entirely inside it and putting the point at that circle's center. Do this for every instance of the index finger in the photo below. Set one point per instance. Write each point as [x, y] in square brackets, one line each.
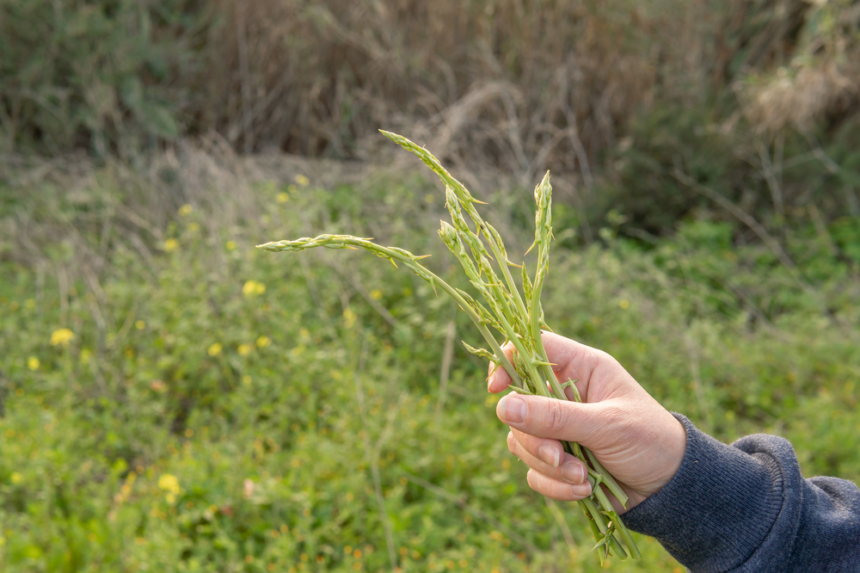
[571, 360]
[498, 379]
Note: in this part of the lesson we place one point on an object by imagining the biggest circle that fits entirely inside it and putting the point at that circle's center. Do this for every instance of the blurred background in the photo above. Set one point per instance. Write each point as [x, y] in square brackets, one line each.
[172, 399]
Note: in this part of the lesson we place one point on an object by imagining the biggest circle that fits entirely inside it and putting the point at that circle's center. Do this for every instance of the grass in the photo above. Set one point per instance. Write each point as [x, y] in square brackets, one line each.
[216, 408]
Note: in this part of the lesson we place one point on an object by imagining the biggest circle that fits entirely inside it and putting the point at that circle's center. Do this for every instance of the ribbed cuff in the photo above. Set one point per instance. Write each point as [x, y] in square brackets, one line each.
[723, 502]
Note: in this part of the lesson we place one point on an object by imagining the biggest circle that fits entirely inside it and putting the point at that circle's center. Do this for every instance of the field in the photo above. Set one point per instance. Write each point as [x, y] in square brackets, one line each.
[175, 400]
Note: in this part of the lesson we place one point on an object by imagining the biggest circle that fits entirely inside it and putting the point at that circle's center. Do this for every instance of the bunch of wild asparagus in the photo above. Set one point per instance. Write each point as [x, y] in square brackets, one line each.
[517, 318]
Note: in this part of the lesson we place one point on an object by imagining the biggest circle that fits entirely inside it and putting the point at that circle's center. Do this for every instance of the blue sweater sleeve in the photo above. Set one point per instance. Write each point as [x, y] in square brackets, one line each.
[746, 508]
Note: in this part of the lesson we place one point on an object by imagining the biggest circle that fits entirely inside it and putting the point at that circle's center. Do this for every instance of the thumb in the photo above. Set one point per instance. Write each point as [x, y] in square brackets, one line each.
[552, 418]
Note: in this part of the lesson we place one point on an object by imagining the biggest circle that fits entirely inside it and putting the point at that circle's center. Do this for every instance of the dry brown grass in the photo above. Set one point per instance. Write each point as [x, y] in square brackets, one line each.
[509, 87]
[520, 85]
[801, 97]
[805, 65]
[69, 215]
[515, 84]
[525, 84]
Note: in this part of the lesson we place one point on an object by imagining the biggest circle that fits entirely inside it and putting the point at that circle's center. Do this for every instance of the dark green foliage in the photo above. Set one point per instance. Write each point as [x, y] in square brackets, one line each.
[677, 161]
[105, 76]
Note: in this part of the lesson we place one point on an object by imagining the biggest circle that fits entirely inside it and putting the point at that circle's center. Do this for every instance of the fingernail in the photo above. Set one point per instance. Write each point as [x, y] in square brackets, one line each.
[573, 472]
[513, 409]
[549, 454]
[581, 490]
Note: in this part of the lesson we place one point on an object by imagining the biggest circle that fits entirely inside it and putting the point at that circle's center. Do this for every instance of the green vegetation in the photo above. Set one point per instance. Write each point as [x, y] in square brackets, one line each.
[176, 400]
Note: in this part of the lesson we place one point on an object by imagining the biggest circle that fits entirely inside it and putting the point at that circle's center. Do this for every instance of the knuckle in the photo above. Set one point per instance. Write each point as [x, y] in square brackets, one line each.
[554, 418]
[606, 362]
[620, 420]
[533, 478]
[529, 444]
[613, 414]
[602, 356]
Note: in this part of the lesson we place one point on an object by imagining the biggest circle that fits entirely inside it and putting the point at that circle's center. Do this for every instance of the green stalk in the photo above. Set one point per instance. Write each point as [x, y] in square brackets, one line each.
[466, 199]
[517, 321]
[410, 260]
[543, 232]
[594, 513]
[629, 543]
[608, 480]
[503, 264]
[518, 345]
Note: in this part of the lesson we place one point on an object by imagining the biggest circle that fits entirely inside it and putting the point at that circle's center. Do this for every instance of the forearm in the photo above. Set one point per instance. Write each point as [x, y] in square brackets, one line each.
[746, 507]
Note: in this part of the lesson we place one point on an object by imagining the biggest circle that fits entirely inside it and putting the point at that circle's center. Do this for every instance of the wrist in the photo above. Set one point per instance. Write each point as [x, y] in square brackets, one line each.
[672, 448]
[675, 447]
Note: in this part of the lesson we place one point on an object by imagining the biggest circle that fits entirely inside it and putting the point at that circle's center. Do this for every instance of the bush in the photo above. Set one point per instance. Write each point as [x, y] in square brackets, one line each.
[106, 76]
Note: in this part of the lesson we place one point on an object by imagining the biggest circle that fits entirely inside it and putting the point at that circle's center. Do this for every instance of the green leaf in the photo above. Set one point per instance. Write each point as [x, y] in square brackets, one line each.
[482, 352]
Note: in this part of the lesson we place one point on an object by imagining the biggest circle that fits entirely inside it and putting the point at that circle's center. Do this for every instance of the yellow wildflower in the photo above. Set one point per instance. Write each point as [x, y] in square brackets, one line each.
[230, 245]
[16, 477]
[169, 483]
[33, 363]
[185, 210]
[62, 337]
[376, 294]
[263, 341]
[283, 197]
[140, 325]
[245, 349]
[215, 349]
[349, 318]
[624, 304]
[170, 245]
[253, 288]
[302, 180]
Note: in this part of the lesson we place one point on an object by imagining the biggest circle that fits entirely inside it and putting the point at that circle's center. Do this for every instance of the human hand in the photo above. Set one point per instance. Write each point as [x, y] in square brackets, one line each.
[635, 438]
